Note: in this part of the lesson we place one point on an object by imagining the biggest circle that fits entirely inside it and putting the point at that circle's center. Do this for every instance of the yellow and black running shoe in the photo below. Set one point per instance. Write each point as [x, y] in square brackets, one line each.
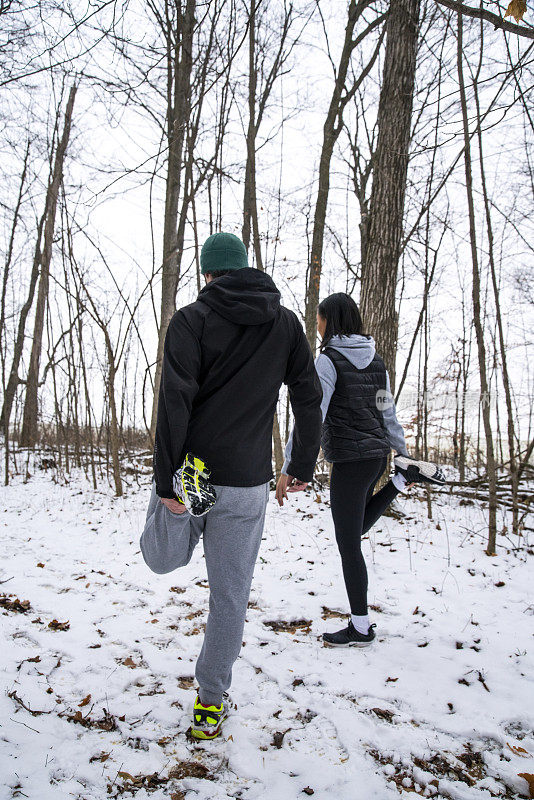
[192, 486]
[208, 720]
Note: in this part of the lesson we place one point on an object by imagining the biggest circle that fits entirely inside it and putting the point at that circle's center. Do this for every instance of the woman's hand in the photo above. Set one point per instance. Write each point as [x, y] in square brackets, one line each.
[173, 505]
[287, 483]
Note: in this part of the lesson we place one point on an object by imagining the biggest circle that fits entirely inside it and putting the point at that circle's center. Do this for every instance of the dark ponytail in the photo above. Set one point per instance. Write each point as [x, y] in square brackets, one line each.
[342, 317]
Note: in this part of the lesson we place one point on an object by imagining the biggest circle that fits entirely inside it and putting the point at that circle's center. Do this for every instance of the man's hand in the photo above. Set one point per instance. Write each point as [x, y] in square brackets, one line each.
[173, 505]
[287, 483]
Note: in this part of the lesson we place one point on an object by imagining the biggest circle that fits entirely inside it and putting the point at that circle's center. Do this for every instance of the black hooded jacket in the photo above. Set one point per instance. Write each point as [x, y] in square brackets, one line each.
[225, 358]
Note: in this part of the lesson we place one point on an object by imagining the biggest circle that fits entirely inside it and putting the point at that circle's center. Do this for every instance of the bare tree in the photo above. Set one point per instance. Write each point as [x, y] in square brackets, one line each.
[390, 168]
[477, 319]
[332, 127]
[484, 14]
[179, 36]
[28, 435]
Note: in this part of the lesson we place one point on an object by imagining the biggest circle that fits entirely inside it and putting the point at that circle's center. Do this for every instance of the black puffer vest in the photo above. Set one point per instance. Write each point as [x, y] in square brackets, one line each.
[354, 427]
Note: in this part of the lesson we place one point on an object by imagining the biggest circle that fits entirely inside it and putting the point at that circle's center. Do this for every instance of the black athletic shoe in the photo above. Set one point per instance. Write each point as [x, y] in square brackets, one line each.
[418, 471]
[350, 637]
[192, 486]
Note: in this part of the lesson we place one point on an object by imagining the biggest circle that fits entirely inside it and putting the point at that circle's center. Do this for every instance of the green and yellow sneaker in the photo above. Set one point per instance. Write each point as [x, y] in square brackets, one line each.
[192, 486]
[208, 720]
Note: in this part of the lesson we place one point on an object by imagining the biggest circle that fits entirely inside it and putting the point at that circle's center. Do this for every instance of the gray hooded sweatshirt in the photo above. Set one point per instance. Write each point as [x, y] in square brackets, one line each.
[360, 351]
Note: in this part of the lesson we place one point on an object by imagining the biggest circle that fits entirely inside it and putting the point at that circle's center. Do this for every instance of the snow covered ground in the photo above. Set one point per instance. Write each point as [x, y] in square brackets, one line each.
[97, 671]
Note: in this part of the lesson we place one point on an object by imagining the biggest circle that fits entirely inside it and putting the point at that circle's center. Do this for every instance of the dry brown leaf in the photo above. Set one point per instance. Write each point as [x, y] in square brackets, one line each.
[518, 751]
[189, 769]
[529, 779]
[85, 702]
[40, 564]
[59, 626]
[126, 776]
[129, 662]
[177, 796]
[164, 740]
[20, 606]
[101, 757]
[516, 9]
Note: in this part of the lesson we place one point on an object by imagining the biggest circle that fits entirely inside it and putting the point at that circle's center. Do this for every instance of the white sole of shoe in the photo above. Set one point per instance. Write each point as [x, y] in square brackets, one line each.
[349, 644]
[430, 471]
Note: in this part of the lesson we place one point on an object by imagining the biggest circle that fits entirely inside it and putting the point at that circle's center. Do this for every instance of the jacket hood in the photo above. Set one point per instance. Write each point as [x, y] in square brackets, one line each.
[246, 296]
[359, 350]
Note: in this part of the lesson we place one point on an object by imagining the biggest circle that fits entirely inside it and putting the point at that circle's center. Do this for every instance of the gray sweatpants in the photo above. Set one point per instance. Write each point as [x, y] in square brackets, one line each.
[232, 533]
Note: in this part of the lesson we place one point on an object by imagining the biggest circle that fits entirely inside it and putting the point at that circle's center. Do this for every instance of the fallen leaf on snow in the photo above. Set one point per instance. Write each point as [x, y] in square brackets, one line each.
[85, 702]
[19, 606]
[518, 751]
[329, 613]
[278, 738]
[189, 769]
[101, 757]
[383, 713]
[529, 779]
[164, 740]
[59, 626]
[292, 626]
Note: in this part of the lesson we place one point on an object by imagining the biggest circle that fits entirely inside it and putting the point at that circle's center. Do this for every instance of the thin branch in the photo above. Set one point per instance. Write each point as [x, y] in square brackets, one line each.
[489, 16]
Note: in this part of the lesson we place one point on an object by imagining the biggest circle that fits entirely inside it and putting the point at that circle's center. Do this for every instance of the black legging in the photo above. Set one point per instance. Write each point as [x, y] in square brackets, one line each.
[355, 509]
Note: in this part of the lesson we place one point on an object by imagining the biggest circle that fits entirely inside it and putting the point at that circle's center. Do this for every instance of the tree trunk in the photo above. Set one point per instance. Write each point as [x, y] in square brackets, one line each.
[180, 65]
[28, 435]
[479, 331]
[386, 207]
[331, 130]
[250, 167]
[278, 450]
[9, 255]
[514, 478]
[114, 426]
[13, 379]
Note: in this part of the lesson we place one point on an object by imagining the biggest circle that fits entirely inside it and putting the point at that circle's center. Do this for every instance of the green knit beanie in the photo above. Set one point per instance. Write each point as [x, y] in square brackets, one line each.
[222, 251]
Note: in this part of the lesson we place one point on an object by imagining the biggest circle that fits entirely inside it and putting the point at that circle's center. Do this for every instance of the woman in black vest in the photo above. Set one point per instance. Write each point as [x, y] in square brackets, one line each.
[360, 428]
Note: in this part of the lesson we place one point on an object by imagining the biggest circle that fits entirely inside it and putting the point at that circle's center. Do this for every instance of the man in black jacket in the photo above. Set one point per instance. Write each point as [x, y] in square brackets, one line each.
[225, 358]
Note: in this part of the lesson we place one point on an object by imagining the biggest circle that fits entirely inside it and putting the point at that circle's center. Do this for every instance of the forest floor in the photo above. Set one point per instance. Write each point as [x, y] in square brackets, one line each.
[98, 658]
